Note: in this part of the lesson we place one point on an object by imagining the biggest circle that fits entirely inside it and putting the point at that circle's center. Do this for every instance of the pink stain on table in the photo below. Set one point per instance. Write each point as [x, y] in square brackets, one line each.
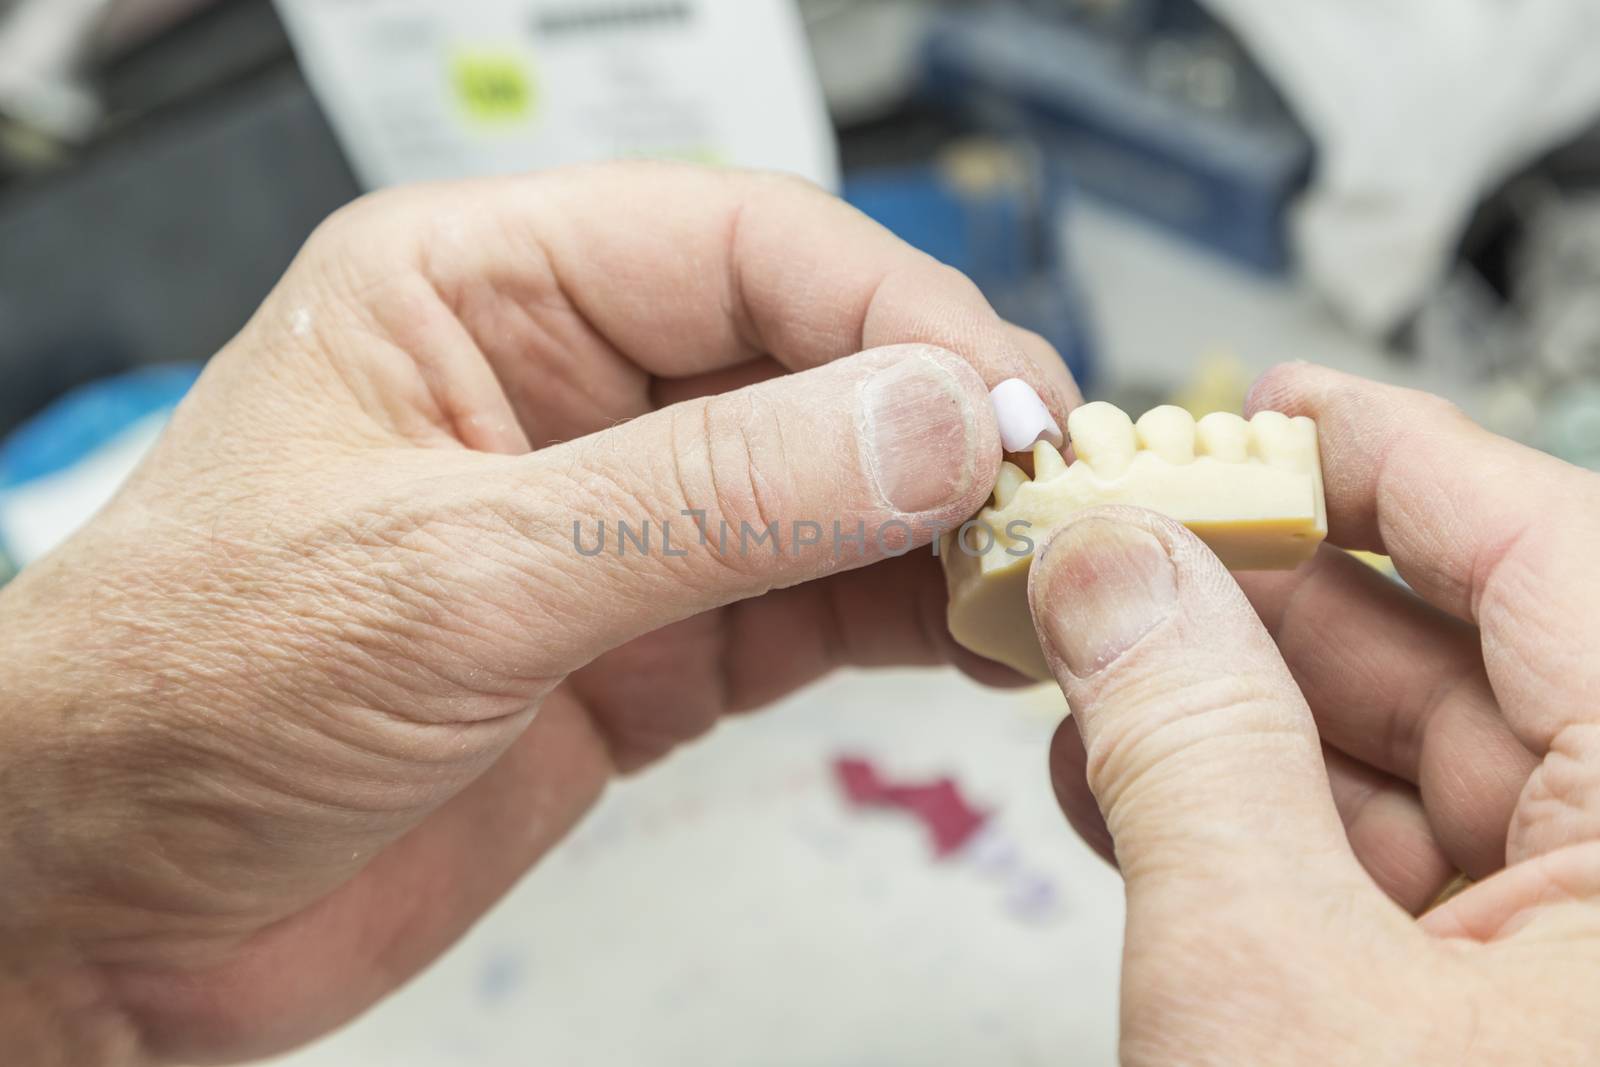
[939, 805]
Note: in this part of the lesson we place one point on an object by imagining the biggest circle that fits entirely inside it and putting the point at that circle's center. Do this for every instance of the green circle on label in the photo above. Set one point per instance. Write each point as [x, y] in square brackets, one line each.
[494, 86]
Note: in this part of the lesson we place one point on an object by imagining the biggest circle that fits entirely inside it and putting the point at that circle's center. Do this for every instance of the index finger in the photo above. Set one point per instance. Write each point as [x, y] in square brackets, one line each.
[687, 271]
[1484, 528]
[1409, 475]
[731, 263]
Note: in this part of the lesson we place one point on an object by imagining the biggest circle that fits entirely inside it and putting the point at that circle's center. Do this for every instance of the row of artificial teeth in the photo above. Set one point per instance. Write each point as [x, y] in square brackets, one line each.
[1106, 442]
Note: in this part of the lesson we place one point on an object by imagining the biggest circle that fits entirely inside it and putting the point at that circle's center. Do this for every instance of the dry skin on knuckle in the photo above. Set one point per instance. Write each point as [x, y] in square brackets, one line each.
[577, 554]
[367, 262]
[358, 235]
[730, 472]
[754, 486]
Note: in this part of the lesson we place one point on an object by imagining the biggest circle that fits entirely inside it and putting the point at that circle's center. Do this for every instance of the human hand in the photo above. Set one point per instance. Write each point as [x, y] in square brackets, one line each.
[331, 672]
[1271, 881]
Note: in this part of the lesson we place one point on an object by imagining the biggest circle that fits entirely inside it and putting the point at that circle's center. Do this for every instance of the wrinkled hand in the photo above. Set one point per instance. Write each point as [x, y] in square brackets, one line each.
[1271, 881]
[332, 672]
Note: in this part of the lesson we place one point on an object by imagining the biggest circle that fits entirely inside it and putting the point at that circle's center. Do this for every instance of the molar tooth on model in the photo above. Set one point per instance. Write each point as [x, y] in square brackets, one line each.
[1011, 479]
[1048, 462]
[1224, 436]
[1282, 441]
[1103, 437]
[1169, 432]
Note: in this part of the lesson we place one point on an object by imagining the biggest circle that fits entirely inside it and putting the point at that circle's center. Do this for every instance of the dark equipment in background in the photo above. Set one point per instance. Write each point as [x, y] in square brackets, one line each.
[155, 242]
[1153, 106]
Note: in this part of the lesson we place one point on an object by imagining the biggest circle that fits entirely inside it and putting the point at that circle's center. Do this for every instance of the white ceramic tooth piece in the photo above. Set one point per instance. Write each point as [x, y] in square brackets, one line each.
[1048, 462]
[1023, 418]
[1011, 479]
[1284, 442]
[1103, 437]
[1224, 436]
[1169, 432]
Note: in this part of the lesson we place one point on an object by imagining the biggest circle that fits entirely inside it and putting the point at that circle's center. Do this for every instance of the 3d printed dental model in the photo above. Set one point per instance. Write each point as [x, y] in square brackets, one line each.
[1252, 491]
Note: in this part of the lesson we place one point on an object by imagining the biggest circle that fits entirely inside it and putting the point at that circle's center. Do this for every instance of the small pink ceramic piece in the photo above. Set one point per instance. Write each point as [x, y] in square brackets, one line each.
[1024, 420]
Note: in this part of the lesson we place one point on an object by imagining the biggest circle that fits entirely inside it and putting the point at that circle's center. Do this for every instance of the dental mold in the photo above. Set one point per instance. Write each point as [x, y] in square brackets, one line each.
[1252, 491]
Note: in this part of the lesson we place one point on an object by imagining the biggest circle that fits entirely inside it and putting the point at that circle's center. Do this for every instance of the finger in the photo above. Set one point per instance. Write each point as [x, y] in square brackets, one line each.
[1050, 364]
[726, 265]
[1201, 752]
[666, 392]
[616, 273]
[1389, 833]
[1399, 685]
[725, 498]
[666, 688]
[1383, 819]
[1509, 902]
[893, 614]
[1484, 528]
[1069, 770]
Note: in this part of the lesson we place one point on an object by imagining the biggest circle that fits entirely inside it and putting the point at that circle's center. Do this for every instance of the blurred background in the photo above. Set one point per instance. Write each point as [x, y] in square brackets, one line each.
[1177, 193]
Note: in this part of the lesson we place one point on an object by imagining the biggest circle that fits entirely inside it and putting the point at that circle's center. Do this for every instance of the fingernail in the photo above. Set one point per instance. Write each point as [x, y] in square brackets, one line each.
[1024, 420]
[1108, 584]
[917, 434]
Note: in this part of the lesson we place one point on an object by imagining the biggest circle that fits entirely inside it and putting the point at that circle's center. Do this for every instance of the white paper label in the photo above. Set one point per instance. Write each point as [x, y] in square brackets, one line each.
[422, 89]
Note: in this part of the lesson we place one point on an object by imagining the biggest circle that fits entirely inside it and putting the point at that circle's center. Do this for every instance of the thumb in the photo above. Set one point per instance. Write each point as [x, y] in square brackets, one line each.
[724, 498]
[1200, 749]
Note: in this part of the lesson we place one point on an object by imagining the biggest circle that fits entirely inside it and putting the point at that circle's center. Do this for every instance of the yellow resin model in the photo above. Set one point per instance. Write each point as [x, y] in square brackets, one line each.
[1252, 491]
